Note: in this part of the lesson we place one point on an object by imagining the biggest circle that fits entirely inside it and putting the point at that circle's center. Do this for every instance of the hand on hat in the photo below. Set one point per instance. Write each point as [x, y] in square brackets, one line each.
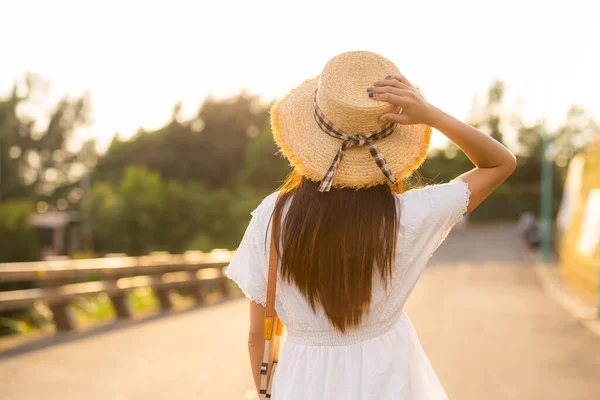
[397, 90]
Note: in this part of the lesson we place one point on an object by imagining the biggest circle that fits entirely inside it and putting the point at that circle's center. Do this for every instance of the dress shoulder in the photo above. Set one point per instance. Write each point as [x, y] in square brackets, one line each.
[447, 201]
[248, 267]
[429, 213]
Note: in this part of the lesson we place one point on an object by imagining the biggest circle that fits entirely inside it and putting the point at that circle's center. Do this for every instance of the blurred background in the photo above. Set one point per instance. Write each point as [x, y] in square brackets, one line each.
[135, 141]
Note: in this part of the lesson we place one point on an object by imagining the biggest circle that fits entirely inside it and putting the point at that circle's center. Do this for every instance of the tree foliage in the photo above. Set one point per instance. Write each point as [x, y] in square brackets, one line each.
[36, 159]
[209, 172]
[209, 148]
[19, 240]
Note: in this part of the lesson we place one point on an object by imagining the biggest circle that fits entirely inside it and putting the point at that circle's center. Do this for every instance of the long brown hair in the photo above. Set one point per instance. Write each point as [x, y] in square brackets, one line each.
[331, 243]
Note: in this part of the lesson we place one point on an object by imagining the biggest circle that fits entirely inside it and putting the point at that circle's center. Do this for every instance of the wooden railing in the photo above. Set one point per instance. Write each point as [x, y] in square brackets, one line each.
[59, 282]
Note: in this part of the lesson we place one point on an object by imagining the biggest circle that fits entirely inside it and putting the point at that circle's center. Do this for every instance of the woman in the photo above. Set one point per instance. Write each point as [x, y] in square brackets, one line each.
[352, 243]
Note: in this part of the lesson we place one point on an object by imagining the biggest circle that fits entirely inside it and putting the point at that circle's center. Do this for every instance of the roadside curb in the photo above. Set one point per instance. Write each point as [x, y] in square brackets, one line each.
[556, 289]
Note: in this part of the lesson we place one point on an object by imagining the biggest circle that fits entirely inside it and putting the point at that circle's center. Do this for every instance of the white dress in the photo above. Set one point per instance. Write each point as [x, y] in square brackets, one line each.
[382, 359]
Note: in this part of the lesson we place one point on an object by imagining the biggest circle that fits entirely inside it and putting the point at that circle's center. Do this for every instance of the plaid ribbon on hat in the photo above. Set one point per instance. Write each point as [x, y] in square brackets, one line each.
[352, 141]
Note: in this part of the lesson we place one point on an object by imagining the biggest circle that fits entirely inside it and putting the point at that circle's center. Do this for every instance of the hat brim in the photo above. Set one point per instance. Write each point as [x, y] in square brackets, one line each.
[311, 151]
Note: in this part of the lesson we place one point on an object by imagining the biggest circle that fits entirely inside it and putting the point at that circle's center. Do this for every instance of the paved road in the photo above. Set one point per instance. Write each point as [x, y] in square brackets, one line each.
[489, 330]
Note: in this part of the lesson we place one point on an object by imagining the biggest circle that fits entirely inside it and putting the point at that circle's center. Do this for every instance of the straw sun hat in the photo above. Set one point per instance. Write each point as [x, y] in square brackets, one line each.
[332, 114]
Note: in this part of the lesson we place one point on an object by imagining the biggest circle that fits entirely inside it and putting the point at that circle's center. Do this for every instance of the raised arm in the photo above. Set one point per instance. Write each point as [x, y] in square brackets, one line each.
[493, 162]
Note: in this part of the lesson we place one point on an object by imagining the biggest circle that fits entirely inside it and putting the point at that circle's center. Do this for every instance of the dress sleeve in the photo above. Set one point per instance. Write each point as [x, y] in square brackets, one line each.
[247, 267]
[433, 211]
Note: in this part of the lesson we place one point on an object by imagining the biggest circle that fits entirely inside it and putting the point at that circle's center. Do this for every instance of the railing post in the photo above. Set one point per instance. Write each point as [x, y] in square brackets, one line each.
[121, 305]
[196, 287]
[118, 299]
[64, 320]
[162, 293]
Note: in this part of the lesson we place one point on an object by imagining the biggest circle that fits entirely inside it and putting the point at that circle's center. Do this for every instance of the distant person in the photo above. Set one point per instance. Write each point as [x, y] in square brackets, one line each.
[351, 242]
[529, 230]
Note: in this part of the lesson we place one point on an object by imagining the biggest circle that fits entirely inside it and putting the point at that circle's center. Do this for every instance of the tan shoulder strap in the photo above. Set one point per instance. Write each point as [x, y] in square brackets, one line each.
[271, 321]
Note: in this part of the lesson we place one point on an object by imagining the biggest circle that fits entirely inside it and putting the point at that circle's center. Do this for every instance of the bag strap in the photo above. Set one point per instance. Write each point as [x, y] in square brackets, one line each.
[272, 324]
[271, 321]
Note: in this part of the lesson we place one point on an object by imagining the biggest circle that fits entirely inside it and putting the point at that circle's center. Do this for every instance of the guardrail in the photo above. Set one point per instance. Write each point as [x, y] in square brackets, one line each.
[61, 281]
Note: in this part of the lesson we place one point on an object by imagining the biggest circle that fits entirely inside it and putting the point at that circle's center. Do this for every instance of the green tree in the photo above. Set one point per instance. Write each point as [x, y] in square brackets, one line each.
[35, 157]
[530, 140]
[264, 168]
[105, 214]
[488, 116]
[187, 214]
[208, 148]
[579, 131]
[142, 204]
[494, 106]
[11, 182]
[217, 167]
[19, 240]
[129, 219]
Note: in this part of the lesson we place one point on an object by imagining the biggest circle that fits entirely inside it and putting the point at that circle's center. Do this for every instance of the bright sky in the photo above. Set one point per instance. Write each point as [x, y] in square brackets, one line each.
[138, 59]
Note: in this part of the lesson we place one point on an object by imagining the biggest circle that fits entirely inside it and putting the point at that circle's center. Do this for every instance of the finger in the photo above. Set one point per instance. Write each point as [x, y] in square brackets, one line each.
[390, 98]
[402, 79]
[391, 82]
[390, 89]
[399, 118]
